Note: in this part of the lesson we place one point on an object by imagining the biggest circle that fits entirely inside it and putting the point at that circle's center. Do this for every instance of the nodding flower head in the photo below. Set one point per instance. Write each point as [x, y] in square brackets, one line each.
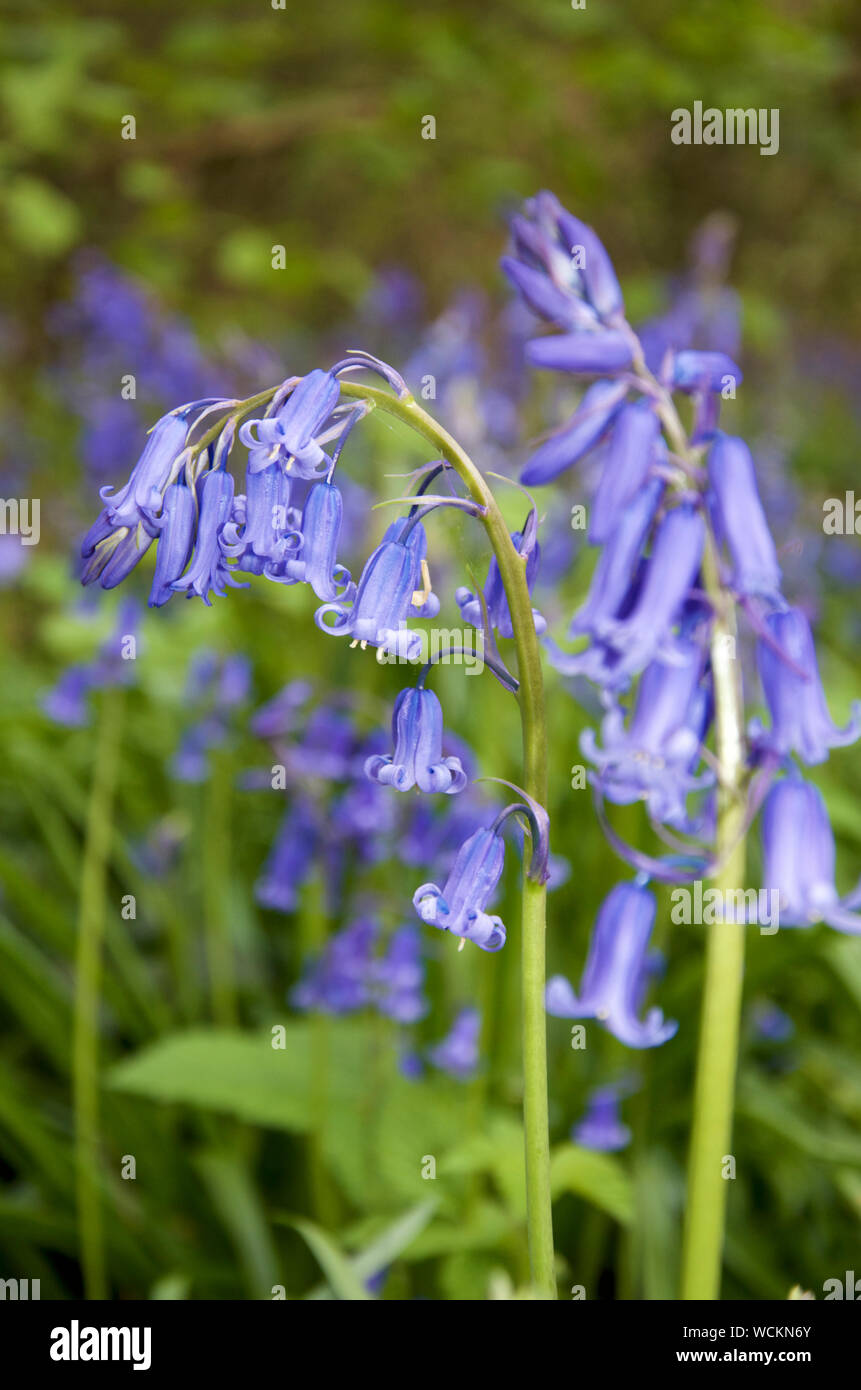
[393, 587]
[498, 612]
[653, 759]
[798, 858]
[616, 971]
[290, 437]
[154, 503]
[418, 760]
[314, 561]
[561, 268]
[460, 906]
[739, 519]
[601, 1127]
[800, 722]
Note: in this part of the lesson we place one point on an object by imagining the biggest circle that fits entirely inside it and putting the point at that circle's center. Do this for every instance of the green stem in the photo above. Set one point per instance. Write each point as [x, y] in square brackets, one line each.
[88, 970]
[717, 1056]
[714, 1089]
[534, 736]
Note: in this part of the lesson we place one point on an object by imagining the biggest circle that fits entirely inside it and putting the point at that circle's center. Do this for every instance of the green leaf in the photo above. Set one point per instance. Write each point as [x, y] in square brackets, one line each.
[237, 1073]
[597, 1177]
[345, 1283]
[235, 1198]
[385, 1248]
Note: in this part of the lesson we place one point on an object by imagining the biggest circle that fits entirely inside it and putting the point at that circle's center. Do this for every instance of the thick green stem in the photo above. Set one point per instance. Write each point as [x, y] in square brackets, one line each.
[88, 972]
[534, 735]
[717, 1056]
[714, 1090]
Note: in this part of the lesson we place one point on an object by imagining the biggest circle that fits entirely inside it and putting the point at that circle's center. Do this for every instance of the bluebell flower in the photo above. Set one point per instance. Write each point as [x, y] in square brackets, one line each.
[625, 644]
[800, 722]
[261, 520]
[111, 553]
[588, 425]
[601, 1127]
[615, 571]
[315, 559]
[704, 371]
[290, 436]
[176, 540]
[418, 760]
[209, 571]
[739, 520]
[140, 501]
[633, 640]
[290, 859]
[498, 611]
[388, 593]
[798, 859]
[457, 1053]
[612, 982]
[631, 453]
[588, 354]
[653, 759]
[460, 906]
[580, 287]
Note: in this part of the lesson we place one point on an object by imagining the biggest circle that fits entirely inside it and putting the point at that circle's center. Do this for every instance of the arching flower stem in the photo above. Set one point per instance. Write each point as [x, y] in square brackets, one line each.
[530, 698]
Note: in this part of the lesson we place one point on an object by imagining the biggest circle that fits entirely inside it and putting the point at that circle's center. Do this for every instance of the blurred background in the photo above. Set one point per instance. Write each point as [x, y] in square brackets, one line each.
[264, 1108]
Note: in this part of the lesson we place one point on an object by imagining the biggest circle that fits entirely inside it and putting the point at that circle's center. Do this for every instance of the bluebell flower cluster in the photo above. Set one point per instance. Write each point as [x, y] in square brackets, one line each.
[286, 526]
[672, 517]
